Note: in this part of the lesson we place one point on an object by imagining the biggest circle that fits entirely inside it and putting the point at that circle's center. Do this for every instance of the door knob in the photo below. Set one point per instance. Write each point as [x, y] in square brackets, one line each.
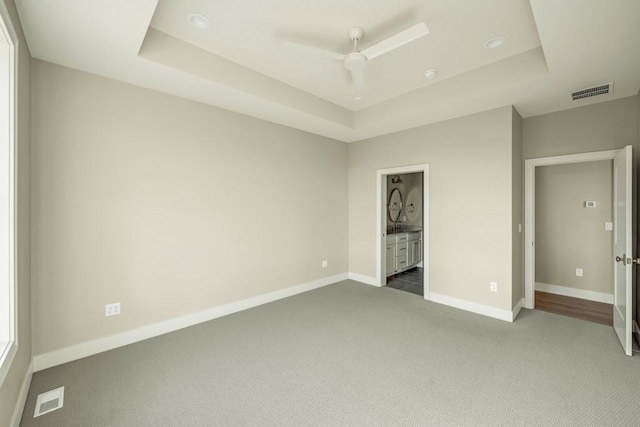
[626, 260]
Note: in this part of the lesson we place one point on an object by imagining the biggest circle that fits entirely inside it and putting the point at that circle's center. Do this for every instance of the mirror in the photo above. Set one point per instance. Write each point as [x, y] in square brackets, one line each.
[394, 205]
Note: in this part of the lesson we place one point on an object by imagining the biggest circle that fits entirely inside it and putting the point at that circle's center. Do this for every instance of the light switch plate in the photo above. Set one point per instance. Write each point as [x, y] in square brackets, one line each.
[608, 226]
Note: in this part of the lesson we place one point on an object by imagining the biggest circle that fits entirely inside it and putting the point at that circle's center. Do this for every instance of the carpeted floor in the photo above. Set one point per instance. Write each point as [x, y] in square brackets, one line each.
[354, 355]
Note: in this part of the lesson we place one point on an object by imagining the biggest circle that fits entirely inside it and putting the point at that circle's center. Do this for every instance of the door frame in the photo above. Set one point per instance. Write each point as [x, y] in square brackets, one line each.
[529, 210]
[381, 215]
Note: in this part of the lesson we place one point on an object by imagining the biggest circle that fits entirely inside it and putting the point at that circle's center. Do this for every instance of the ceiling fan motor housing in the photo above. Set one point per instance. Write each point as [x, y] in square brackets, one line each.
[355, 61]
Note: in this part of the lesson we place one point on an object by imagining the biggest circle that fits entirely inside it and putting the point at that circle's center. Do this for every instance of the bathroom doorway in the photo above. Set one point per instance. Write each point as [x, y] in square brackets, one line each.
[403, 229]
[404, 269]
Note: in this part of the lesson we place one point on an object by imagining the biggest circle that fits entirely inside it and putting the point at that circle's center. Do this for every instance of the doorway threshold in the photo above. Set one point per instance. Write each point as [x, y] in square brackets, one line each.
[577, 308]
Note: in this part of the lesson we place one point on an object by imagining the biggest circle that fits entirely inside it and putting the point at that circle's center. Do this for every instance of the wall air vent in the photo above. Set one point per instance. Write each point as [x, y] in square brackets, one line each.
[49, 401]
[592, 91]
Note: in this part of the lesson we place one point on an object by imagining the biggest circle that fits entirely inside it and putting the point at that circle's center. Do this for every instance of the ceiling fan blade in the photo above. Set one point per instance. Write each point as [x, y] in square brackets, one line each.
[314, 50]
[357, 76]
[400, 39]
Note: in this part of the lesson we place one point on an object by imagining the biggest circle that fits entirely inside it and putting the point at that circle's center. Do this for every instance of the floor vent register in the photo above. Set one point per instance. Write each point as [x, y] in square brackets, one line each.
[49, 401]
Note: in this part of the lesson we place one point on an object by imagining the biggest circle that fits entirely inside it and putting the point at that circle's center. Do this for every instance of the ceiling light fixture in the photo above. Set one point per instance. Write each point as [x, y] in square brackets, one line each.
[357, 98]
[199, 21]
[430, 74]
[494, 42]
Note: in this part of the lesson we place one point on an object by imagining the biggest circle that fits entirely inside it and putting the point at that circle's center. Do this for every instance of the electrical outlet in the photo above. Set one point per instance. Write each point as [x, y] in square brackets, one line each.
[324, 263]
[112, 309]
[579, 272]
[494, 286]
[608, 226]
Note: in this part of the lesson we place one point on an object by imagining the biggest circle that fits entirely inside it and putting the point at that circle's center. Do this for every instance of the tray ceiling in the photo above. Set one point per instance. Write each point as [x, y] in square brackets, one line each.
[242, 62]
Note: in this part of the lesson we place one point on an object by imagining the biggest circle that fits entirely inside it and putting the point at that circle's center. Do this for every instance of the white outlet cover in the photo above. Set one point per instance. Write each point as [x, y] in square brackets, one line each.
[579, 272]
[494, 286]
[324, 263]
[608, 226]
[112, 309]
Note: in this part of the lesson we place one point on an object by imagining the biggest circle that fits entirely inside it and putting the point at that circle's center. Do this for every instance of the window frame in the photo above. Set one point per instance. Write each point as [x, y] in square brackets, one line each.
[9, 350]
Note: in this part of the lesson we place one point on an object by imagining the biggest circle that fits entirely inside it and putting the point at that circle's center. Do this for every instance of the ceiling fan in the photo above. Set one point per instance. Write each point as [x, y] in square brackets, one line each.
[356, 60]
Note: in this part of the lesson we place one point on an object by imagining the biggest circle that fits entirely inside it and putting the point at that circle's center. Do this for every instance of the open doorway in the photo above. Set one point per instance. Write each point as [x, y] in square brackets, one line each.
[403, 229]
[621, 254]
[574, 240]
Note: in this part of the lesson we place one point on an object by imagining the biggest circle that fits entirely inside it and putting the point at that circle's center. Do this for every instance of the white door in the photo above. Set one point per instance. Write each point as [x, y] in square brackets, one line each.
[622, 247]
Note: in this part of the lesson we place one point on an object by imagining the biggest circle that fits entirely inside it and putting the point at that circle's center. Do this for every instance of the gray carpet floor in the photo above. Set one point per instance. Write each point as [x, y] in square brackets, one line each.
[354, 355]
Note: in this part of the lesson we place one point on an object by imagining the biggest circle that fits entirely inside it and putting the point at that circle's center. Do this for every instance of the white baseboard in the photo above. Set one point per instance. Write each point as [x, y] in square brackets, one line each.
[364, 279]
[516, 310]
[22, 397]
[575, 293]
[473, 307]
[89, 348]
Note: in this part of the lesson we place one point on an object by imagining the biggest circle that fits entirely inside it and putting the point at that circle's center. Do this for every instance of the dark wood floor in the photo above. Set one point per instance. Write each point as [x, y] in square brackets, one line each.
[592, 311]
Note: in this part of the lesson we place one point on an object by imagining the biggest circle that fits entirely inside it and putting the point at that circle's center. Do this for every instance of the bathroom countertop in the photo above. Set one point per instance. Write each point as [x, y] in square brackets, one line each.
[410, 229]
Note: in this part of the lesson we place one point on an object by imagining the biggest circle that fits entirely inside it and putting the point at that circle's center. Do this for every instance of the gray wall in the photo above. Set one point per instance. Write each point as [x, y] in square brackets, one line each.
[570, 236]
[604, 126]
[169, 207]
[470, 198]
[10, 388]
[517, 200]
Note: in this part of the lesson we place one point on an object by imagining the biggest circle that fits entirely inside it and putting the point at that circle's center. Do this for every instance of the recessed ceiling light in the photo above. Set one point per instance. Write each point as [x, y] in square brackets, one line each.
[494, 42]
[357, 98]
[430, 74]
[199, 21]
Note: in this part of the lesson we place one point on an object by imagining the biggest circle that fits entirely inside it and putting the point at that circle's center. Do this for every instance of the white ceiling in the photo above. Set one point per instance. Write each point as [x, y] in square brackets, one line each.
[242, 63]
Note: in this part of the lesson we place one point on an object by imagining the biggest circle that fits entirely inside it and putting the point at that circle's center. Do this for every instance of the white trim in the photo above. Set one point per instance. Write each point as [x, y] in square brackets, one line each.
[6, 27]
[473, 307]
[22, 397]
[381, 228]
[367, 280]
[89, 348]
[575, 293]
[516, 310]
[7, 354]
[529, 209]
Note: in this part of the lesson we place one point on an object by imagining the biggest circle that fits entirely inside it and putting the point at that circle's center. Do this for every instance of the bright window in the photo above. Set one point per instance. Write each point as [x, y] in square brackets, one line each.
[8, 319]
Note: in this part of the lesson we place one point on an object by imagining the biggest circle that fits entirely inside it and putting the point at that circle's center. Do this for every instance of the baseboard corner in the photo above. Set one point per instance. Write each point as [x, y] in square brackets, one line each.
[367, 280]
[471, 306]
[516, 310]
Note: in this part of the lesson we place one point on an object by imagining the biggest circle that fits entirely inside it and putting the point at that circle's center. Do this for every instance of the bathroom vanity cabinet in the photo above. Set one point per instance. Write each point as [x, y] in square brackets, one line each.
[404, 251]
